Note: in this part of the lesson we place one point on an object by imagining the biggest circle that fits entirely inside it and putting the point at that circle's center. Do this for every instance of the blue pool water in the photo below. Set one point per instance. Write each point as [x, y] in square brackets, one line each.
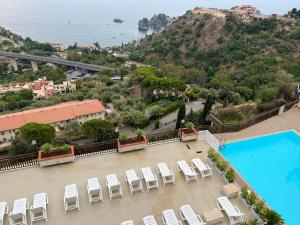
[271, 165]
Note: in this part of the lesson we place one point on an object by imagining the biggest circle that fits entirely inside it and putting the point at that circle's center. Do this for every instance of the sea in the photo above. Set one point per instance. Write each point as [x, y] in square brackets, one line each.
[90, 21]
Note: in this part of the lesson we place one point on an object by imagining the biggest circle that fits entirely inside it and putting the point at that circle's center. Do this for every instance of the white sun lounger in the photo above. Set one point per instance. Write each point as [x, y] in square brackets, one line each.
[187, 171]
[114, 186]
[150, 178]
[71, 199]
[234, 214]
[127, 222]
[18, 215]
[94, 190]
[149, 220]
[3, 211]
[169, 218]
[187, 214]
[204, 169]
[166, 173]
[38, 210]
[134, 182]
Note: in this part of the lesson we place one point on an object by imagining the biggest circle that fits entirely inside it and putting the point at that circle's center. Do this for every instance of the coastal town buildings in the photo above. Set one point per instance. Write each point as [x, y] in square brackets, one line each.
[246, 11]
[41, 88]
[58, 116]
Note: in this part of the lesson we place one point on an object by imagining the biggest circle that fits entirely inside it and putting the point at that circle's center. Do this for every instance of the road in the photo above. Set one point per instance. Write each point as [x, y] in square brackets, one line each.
[168, 121]
[54, 60]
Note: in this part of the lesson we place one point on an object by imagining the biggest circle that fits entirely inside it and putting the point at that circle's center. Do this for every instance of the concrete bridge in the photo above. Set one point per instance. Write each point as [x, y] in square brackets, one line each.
[48, 59]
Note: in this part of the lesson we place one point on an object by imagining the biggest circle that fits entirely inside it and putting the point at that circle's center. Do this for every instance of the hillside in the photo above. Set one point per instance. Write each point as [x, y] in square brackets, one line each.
[195, 37]
[254, 60]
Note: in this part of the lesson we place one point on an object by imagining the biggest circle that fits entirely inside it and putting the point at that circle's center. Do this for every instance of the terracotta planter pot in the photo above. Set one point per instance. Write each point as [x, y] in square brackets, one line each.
[188, 135]
[132, 144]
[56, 159]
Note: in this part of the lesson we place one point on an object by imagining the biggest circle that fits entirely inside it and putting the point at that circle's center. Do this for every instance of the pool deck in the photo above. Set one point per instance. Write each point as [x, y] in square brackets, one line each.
[201, 195]
[286, 121]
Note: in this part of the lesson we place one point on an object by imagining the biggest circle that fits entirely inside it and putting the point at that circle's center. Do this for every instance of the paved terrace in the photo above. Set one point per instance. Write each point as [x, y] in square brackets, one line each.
[201, 194]
[286, 121]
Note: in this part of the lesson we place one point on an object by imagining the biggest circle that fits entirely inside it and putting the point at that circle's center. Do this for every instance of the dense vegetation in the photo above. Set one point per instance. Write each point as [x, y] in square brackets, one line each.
[238, 61]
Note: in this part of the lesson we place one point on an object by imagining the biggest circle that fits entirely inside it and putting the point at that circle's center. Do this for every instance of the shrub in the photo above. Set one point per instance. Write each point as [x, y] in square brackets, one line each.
[46, 147]
[189, 125]
[213, 155]
[139, 132]
[230, 175]
[123, 136]
[259, 207]
[156, 124]
[221, 164]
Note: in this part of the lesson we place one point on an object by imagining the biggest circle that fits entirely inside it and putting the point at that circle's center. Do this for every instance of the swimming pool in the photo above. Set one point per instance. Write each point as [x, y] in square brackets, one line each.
[271, 165]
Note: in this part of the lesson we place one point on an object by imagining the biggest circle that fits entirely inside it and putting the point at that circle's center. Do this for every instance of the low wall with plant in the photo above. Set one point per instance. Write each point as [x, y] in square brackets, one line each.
[222, 165]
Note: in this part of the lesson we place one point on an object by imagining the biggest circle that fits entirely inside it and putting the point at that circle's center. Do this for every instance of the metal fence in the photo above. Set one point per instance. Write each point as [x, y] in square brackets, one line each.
[28, 160]
[19, 161]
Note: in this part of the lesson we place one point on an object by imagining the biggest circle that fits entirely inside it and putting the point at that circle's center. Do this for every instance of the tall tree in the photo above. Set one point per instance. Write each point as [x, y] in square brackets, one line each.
[180, 116]
[41, 133]
[207, 107]
[99, 130]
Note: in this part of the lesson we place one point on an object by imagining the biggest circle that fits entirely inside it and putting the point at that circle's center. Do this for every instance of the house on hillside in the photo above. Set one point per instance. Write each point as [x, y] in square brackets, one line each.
[58, 116]
[246, 11]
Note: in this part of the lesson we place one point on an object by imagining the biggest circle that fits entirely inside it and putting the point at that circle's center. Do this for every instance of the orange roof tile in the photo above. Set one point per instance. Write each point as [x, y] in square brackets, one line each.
[51, 114]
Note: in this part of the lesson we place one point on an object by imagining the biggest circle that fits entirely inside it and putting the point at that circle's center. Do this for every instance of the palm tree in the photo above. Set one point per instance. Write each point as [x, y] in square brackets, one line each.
[271, 217]
[252, 221]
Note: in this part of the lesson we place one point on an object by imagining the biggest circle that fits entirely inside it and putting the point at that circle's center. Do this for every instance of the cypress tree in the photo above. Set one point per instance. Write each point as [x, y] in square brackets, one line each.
[180, 116]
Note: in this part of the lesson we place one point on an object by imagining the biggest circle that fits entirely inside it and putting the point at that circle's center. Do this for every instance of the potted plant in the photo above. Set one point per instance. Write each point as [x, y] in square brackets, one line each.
[52, 155]
[189, 133]
[221, 165]
[212, 157]
[137, 142]
[230, 175]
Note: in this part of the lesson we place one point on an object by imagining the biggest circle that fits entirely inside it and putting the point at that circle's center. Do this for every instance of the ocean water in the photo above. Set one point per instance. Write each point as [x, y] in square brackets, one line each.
[89, 21]
[271, 165]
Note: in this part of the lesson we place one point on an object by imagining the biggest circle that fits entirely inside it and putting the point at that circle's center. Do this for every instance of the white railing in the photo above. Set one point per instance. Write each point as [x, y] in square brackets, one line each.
[205, 135]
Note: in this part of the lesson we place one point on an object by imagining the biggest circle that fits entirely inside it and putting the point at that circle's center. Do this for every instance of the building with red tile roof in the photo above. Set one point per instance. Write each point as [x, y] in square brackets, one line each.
[57, 115]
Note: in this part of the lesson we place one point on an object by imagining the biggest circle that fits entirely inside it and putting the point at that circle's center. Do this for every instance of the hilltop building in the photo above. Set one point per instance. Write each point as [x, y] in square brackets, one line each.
[58, 116]
[41, 88]
[246, 11]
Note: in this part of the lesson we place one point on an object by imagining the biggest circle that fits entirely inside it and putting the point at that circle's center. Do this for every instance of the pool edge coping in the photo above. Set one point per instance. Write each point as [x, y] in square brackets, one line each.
[263, 135]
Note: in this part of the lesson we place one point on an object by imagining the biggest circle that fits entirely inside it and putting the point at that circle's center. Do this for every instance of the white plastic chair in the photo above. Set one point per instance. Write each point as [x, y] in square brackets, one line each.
[71, 199]
[169, 218]
[187, 214]
[94, 190]
[150, 178]
[149, 220]
[114, 186]
[18, 215]
[166, 173]
[233, 213]
[187, 171]
[38, 210]
[204, 169]
[127, 222]
[3, 211]
[134, 182]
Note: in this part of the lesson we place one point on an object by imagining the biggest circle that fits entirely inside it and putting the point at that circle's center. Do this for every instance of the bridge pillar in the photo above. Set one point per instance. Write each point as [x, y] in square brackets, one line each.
[34, 66]
[13, 64]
